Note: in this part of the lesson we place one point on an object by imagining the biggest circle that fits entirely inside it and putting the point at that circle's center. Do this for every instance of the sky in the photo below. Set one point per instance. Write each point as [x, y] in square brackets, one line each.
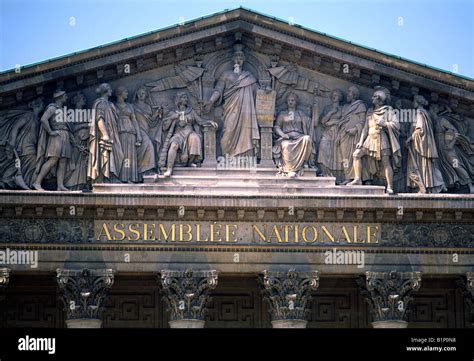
[438, 33]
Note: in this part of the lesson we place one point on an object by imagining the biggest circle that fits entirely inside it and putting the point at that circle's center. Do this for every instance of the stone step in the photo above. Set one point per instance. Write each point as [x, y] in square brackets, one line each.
[236, 180]
[223, 173]
[237, 189]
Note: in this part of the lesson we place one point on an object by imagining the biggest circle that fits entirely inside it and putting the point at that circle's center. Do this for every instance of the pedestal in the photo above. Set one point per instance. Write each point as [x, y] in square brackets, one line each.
[266, 155]
[210, 160]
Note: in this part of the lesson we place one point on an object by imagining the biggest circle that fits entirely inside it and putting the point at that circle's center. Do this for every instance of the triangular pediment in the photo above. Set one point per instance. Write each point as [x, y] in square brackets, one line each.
[260, 34]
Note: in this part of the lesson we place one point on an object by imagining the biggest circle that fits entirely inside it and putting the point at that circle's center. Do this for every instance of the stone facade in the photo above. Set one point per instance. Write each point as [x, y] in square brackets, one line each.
[226, 148]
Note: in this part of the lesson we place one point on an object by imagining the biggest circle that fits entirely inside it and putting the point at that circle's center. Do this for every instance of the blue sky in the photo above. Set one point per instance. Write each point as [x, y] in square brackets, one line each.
[439, 33]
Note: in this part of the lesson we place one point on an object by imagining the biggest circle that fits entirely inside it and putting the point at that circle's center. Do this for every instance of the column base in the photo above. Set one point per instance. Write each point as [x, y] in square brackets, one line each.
[289, 323]
[187, 324]
[84, 323]
[390, 324]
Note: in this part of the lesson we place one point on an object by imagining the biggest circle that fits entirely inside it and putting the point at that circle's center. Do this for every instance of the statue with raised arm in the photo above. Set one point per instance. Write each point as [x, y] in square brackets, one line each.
[183, 135]
[292, 149]
[54, 144]
[237, 88]
[378, 142]
[106, 155]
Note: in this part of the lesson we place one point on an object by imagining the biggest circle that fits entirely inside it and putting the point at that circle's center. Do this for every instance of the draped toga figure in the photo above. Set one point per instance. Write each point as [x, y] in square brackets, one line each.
[423, 161]
[183, 137]
[106, 155]
[455, 151]
[292, 149]
[19, 130]
[350, 127]
[237, 89]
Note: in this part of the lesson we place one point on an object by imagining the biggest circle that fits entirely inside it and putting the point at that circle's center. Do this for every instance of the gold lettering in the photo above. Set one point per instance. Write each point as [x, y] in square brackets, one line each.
[145, 232]
[276, 234]
[215, 233]
[232, 233]
[369, 234]
[170, 236]
[188, 232]
[134, 231]
[325, 230]
[198, 234]
[315, 234]
[346, 234]
[119, 231]
[260, 234]
[106, 231]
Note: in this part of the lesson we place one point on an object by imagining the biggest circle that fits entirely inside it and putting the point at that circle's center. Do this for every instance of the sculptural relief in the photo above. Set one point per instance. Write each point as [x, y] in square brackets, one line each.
[18, 143]
[350, 128]
[422, 169]
[293, 145]
[455, 151]
[378, 144]
[130, 137]
[183, 136]
[106, 156]
[330, 120]
[54, 148]
[237, 90]
[76, 177]
[149, 119]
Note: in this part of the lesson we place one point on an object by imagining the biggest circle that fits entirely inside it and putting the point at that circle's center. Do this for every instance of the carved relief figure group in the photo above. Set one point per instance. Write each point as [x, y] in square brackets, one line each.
[126, 140]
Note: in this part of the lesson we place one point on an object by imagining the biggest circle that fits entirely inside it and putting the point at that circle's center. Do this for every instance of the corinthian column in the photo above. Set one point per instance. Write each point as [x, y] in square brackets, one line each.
[187, 293]
[467, 287]
[4, 279]
[83, 293]
[288, 294]
[389, 296]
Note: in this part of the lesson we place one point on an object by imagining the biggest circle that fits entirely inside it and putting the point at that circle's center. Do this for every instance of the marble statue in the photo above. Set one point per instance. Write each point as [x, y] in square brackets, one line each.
[236, 88]
[378, 142]
[183, 135]
[54, 147]
[18, 143]
[106, 156]
[130, 137]
[329, 122]
[292, 149]
[350, 128]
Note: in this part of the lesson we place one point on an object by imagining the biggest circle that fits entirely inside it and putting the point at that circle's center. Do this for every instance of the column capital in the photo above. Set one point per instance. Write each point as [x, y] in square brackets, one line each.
[288, 293]
[467, 287]
[4, 277]
[4, 280]
[389, 294]
[84, 291]
[187, 292]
